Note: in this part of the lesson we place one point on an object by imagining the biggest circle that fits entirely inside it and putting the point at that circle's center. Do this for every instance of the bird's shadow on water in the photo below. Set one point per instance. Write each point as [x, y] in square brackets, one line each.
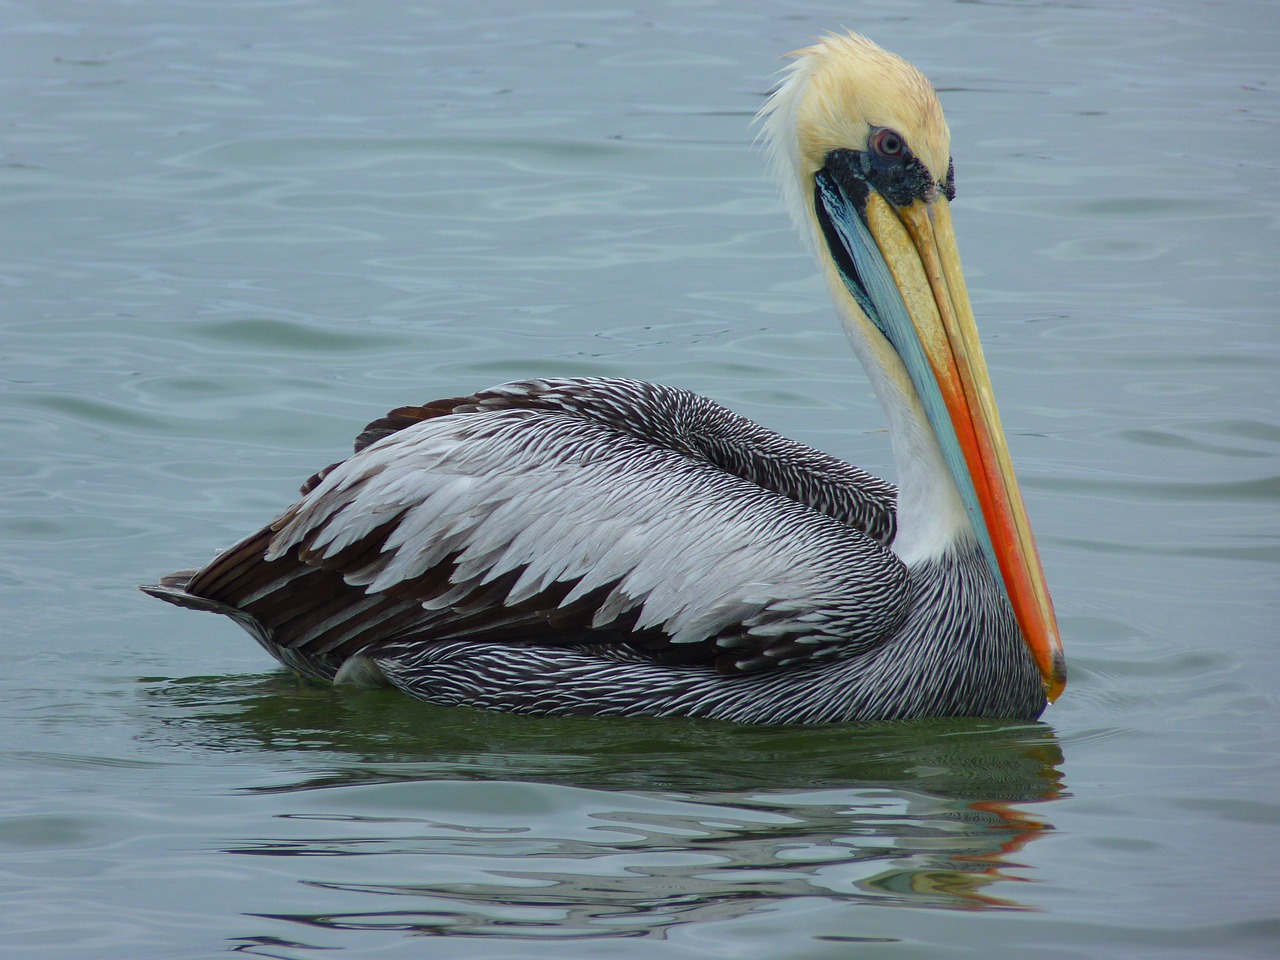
[923, 814]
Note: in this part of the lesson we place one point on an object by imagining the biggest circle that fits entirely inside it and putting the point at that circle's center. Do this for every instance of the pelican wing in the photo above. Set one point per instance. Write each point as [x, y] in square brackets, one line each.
[572, 511]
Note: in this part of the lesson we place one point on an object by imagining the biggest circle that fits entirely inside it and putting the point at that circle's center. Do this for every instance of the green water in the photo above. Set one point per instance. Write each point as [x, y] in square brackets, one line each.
[233, 233]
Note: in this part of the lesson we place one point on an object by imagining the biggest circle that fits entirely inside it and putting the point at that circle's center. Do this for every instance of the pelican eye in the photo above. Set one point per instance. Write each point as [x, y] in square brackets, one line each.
[888, 143]
[901, 179]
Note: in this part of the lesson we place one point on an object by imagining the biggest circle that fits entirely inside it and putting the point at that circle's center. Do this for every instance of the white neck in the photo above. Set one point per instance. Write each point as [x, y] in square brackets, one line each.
[932, 519]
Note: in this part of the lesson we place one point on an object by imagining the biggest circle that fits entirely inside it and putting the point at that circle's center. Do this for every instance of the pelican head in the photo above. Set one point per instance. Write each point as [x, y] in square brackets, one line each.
[862, 150]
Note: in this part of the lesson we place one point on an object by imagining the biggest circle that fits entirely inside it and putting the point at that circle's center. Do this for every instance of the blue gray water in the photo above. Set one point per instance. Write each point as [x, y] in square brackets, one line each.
[231, 233]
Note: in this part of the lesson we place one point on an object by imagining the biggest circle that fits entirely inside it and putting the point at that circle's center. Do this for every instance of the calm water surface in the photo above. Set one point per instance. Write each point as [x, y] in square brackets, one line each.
[233, 233]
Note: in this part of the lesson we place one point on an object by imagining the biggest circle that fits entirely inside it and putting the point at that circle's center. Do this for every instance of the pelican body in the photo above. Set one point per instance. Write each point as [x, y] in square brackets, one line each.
[613, 547]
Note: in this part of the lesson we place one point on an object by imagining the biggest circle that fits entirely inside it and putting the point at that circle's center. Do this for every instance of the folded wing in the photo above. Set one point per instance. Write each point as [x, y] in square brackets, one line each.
[570, 512]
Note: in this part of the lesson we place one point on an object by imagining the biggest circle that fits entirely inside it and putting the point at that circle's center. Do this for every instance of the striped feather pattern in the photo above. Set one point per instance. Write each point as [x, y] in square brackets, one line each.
[957, 654]
[570, 512]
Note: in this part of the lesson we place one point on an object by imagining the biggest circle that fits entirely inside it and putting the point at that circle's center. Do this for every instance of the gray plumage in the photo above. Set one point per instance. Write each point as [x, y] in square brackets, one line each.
[603, 546]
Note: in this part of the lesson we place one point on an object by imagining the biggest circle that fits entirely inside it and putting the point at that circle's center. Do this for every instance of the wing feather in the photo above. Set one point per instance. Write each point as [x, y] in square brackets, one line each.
[543, 523]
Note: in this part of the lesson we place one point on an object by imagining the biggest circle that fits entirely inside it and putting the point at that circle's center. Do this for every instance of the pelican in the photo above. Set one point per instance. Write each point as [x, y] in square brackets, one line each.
[613, 547]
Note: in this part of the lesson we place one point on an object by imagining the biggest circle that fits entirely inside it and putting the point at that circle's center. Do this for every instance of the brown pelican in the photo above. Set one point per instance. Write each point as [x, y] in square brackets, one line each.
[604, 546]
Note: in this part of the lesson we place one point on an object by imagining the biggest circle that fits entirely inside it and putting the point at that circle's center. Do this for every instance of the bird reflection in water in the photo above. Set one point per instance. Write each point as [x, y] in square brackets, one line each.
[487, 824]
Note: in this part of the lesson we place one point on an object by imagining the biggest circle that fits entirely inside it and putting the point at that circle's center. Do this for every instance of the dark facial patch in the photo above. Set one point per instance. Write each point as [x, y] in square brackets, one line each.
[901, 178]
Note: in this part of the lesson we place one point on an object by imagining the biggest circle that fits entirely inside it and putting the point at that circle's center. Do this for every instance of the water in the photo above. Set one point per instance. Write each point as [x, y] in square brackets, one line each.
[235, 232]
